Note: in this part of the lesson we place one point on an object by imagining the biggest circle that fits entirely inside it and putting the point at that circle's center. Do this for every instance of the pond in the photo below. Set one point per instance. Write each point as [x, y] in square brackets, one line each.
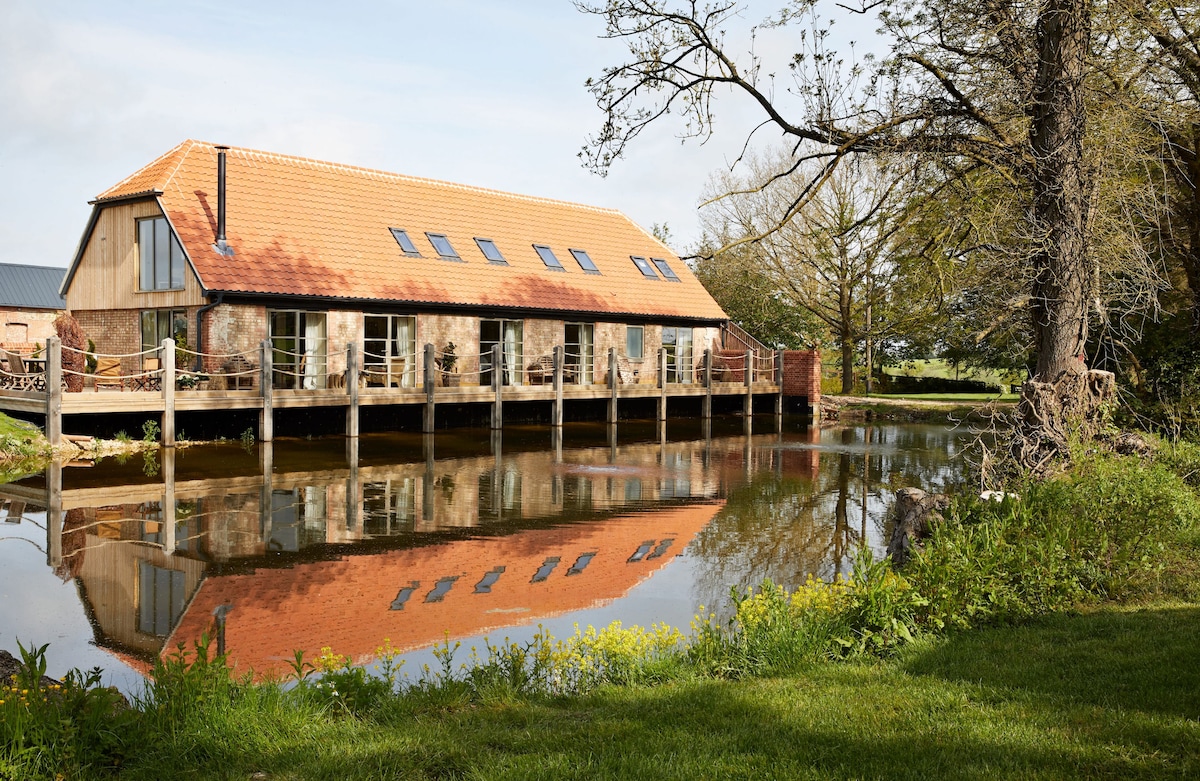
[411, 538]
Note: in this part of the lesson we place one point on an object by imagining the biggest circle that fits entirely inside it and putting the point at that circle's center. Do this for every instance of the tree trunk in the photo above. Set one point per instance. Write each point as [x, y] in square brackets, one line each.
[847, 338]
[1062, 282]
[1063, 400]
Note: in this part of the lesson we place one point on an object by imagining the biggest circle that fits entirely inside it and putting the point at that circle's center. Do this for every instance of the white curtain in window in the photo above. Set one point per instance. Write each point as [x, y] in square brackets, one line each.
[314, 351]
[683, 352]
[404, 349]
[585, 354]
[512, 352]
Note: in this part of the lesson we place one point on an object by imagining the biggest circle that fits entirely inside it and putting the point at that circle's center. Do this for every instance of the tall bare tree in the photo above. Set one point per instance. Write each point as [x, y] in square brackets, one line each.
[991, 84]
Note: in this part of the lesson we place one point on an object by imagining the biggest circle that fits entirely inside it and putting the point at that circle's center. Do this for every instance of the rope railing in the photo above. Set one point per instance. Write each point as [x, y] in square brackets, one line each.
[92, 353]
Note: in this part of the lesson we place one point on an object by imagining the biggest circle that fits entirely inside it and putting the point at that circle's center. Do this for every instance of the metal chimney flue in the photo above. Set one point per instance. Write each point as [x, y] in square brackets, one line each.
[221, 246]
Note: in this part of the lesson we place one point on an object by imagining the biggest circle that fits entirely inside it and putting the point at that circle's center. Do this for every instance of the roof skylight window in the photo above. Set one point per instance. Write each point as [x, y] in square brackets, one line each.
[644, 267]
[490, 251]
[547, 256]
[442, 245]
[584, 261]
[405, 242]
[664, 269]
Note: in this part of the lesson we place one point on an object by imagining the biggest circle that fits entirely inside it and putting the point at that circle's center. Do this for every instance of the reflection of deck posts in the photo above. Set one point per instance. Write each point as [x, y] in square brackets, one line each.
[498, 387]
[612, 386]
[556, 443]
[168, 392]
[266, 453]
[427, 508]
[748, 402]
[266, 418]
[556, 411]
[54, 391]
[779, 389]
[353, 488]
[352, 389]
[662, 385]
[168, 501]
[54, 513]
[430, 375]
[706, 404]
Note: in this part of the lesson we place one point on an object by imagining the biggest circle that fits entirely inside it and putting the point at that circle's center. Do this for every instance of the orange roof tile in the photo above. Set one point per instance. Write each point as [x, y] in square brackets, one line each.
[310, 228]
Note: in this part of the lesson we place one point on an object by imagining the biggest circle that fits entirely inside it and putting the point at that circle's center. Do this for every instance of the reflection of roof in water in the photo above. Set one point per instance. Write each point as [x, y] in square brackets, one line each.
[414, 597]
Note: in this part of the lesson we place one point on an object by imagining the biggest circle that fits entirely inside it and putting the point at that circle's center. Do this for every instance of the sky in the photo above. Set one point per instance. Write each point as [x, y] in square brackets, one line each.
[485, 93]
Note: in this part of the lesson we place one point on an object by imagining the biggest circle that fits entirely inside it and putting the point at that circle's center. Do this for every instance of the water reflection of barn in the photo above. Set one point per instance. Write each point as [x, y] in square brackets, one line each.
[334, 539]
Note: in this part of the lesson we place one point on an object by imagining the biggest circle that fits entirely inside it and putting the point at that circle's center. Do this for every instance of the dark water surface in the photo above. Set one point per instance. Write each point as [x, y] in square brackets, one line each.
[414, 538]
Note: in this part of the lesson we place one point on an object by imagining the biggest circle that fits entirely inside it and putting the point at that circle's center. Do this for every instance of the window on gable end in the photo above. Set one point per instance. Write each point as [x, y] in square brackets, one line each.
[160, 256]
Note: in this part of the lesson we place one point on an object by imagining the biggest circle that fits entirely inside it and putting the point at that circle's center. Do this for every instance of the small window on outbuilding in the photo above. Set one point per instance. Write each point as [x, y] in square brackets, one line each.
[442, 245]
[405, 242]
[548, 257]
[491, 251]
[644, 267]
[664, 269]
[584, 261]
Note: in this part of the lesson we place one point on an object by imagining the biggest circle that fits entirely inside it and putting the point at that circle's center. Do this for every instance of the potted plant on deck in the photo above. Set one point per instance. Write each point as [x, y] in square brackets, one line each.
[446, 363]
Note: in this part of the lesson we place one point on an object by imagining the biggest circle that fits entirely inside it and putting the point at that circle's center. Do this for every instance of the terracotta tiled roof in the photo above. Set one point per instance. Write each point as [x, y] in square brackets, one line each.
[310, 228]
[349, 603]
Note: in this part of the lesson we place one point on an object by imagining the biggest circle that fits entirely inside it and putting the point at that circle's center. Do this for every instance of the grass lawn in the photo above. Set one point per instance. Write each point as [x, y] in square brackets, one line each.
[1110, 694]
[943, 370]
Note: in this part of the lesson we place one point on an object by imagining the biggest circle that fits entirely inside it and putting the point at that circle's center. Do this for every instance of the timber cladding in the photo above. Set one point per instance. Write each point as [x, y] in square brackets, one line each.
[107, 275]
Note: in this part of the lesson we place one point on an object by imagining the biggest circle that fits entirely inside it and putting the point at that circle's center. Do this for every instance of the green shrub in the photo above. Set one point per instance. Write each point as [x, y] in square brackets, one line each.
[60, 730]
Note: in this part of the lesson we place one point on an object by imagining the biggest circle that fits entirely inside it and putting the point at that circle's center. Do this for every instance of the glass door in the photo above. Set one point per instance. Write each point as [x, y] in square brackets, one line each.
[509, 334]
[678, 344]
[298, 346]
[390, 350]
[580, 353]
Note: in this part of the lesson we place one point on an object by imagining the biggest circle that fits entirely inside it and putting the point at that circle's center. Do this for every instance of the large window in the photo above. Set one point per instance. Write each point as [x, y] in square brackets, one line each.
[580, 353]
[509, 334]
[678, 344]
[298, 349]
[390, 350]
[160, 257]
[634, 342]
[159, 324]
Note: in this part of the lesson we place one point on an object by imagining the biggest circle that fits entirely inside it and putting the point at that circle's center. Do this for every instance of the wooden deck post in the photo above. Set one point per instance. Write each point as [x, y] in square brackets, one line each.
[612, 385]
[168, 392]
[54, 391]
[779, 389]
[266, 418]
[748, 402]
[556, 410]
[662, 384]
[427, 423]
[352, 389]
[706, 405]
[498, 387]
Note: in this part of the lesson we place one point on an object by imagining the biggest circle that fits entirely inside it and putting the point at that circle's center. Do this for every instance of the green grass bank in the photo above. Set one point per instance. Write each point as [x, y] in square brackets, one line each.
[1052, 636]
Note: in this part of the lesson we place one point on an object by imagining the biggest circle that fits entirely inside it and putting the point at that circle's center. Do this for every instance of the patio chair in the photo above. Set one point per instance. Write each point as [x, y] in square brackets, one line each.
[20, 377]
[108, 374]
[541, 371]
[151, 378]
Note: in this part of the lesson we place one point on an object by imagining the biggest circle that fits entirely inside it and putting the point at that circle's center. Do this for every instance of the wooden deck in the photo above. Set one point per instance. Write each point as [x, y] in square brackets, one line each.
[54, 404]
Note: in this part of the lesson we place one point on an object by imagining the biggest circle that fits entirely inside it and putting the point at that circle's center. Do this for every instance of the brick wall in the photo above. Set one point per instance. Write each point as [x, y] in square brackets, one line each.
[24, 326]
[802, 375]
